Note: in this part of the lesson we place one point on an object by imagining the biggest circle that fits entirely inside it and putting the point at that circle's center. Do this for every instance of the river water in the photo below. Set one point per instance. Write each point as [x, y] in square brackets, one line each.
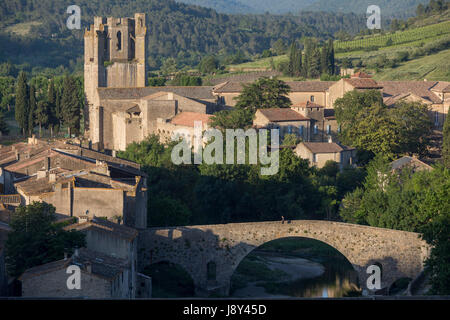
[297, 277]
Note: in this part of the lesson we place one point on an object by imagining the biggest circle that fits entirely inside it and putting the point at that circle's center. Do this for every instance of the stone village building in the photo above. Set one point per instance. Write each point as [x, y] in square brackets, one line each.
[121, 109]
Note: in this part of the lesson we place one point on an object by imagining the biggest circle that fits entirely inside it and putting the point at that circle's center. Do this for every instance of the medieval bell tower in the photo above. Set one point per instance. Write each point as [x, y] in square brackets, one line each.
[114, 57]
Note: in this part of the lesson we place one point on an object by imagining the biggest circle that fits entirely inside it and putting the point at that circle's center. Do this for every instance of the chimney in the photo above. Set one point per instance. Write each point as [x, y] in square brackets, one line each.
[89, 267]
[330, 139]
[170, 96]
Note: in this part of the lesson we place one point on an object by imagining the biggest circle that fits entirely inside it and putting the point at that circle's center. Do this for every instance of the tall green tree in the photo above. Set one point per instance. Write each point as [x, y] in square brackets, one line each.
[331, 58]
[42, 115]
[446, 146]
[53, 120]
[31, 110]
[295, 61]
[263, 94]
[437, 265]
[22, 102]
[37, 239]
[70, 106]
[4, 129]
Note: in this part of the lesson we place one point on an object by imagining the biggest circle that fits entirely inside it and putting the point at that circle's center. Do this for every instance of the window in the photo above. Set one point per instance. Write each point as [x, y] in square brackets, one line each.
[436, 118]
[119, 41]
[301, 130]
[312, 98]
[314, 158]
[316, 129]
[328, 129]
[290, 129]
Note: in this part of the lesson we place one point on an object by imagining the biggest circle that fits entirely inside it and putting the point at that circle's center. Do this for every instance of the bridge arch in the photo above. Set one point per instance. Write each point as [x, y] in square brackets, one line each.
[401, 254]
[351, 274]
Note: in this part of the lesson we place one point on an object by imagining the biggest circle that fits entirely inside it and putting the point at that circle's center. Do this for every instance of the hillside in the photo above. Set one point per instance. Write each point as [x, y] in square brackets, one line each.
[187, 33]
[389, 8]
[416, 53]
[253, 6]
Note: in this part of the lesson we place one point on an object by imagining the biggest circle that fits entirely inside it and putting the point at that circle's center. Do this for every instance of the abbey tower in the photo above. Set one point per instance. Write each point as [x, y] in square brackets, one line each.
[114, 57]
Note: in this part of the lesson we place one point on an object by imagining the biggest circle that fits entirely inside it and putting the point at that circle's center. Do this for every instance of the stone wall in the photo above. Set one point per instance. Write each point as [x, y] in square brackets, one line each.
[54, 284]
[401, 254]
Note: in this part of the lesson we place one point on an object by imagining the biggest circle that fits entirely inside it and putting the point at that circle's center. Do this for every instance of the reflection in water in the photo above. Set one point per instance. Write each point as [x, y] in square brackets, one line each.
[337, 281]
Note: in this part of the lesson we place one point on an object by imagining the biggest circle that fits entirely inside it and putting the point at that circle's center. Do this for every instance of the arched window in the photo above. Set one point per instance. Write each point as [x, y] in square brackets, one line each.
[119, 41]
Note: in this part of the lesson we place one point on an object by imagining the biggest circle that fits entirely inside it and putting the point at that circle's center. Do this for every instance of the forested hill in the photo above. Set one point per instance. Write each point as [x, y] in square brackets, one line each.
[177, 30]
[389, 8]
[253, 6]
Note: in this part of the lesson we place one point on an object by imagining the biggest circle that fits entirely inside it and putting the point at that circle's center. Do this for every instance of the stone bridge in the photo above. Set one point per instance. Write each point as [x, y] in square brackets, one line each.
[222, 247]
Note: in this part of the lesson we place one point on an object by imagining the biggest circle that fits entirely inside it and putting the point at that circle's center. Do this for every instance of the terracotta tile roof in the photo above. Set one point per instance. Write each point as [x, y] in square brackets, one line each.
[296, 86]
[102, 225]
[363, 83]
[324, 147]
[187, 119]
[200, 93]
[410, 162]
[102, 265]
[282, 114]
[419, 88]
[361, 75]
[442, 86]
[307, 104]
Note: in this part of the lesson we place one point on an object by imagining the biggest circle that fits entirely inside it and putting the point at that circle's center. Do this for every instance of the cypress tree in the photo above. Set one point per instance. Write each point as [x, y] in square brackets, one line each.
[4, 130]
[22, 102]
[31, 110]
[292, 58]
[52, 108]
[331, 58]
[446, 146]
[324, 68]
[70, 106]
[42, 117]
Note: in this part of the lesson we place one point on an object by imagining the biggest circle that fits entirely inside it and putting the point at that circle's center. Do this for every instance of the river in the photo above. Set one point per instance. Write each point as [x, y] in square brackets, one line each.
[281, 275]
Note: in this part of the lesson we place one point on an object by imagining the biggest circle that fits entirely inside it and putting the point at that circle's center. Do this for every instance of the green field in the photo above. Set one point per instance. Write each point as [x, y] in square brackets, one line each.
[399, 38]
[434, 67]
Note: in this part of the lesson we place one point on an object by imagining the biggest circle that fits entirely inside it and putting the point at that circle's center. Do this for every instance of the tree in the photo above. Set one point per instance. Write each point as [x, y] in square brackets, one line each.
[37, 239]
[369, 125]
[31, 110]
[295, 61]
[208, 65]
[331, 58]
[22, 102]
[446, 145]
[436, 234]
[42, 115]
[264, 93]
[4, 129]
[52, 108]
[279, 47]
[70, 106]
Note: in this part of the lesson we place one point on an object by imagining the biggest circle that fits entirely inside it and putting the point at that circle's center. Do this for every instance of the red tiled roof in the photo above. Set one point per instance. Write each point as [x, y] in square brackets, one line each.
[282, 114]
[421, 89]
[187, 119]
[363, 83]
[307, 104]
[296, 86]
[324, 147]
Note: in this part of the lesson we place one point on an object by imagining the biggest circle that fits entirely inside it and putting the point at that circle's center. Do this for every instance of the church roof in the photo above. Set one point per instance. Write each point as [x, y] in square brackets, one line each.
[296, 86]
[200, 93]
[187, 119]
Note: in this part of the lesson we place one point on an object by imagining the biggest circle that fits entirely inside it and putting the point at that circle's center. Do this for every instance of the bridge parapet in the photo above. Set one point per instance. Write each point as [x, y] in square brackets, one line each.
[401, 254]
